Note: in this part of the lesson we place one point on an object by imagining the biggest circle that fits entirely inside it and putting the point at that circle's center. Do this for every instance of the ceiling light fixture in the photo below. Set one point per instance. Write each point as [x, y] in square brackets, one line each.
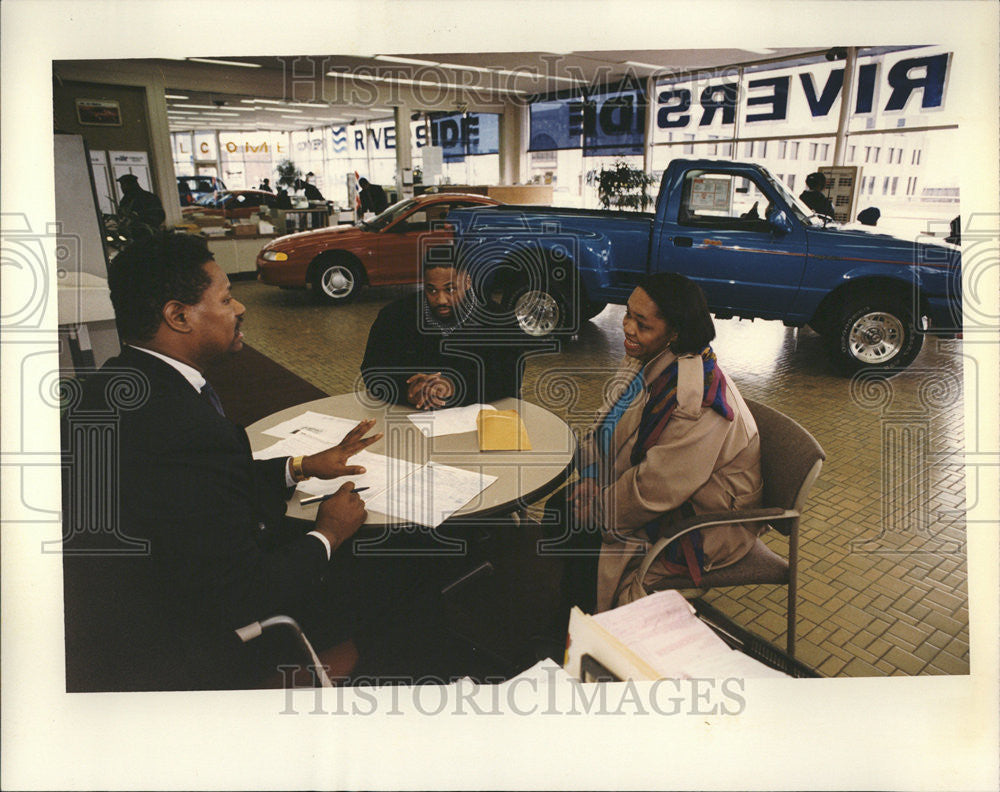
[174, 96]
[219, 62]
[425, 83]
[280, 110]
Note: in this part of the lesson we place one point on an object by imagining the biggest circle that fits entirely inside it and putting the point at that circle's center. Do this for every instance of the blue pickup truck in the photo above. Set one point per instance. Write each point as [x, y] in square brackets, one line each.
[752, 246]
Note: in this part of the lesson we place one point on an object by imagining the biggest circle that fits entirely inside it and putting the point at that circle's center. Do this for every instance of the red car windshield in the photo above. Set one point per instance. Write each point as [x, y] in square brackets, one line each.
[389, 215]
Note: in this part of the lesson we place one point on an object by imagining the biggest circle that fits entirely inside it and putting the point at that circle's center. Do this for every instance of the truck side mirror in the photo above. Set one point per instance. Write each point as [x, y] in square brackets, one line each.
[778, 220]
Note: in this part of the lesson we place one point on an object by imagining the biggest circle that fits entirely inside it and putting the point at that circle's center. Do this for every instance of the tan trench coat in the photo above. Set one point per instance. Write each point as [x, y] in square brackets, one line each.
[699, 457]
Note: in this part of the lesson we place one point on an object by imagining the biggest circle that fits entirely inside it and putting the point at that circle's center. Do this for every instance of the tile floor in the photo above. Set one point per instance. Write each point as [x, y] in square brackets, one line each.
[883, 568]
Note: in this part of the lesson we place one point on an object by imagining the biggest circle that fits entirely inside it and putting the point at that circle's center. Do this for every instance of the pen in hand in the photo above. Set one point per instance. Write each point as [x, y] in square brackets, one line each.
[321, 498]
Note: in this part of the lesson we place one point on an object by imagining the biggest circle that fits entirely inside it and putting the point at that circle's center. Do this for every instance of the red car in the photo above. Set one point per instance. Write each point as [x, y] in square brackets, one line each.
[336, 262]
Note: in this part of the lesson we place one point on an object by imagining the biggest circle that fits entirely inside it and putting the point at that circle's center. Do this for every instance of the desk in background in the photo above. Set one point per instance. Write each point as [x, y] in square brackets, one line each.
[236, 254]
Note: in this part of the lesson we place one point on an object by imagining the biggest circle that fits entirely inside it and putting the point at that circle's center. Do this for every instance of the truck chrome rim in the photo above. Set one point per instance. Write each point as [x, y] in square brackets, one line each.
[876, 337]
[537, 313]
[338, 281]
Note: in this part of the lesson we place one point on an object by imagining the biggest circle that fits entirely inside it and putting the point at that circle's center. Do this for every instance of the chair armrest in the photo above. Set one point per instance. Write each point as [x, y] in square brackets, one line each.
[255, 629]
[706, 520]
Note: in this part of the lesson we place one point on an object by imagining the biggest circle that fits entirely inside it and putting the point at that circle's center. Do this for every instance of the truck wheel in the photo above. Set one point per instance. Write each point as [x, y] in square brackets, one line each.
[876, 333]
[539, 312]
[336, 280]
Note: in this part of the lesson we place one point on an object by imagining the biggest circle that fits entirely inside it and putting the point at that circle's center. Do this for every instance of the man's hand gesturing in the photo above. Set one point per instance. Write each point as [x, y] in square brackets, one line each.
[333, 462]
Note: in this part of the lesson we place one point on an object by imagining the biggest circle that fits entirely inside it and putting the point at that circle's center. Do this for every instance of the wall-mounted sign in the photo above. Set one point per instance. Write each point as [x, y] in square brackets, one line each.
[98, 112]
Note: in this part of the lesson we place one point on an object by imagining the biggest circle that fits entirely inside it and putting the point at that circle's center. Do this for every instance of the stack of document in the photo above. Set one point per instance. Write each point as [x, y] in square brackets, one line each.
[454, 420]
[656, 637]
[422, 494]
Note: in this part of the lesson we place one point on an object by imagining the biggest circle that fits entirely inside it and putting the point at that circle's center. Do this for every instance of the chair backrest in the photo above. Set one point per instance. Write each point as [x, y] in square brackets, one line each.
[790, 460]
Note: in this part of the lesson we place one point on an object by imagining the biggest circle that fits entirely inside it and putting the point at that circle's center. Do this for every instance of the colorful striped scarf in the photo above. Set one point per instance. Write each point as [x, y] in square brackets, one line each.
[686, 555]
[663, 401]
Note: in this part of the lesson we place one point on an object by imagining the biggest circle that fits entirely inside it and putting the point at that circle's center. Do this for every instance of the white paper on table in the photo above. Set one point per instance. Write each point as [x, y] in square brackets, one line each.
[454, 420]
[296, 445]
[431, 494]
[328, 428]
[381, 472]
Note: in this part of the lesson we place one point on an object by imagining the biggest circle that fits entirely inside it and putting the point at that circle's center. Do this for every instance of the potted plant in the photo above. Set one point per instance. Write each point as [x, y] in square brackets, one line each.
[624, 187]
[288, 174]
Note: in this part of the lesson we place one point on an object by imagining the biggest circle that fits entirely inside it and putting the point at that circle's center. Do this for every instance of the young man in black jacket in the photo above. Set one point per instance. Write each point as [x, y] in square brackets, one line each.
[438, 348]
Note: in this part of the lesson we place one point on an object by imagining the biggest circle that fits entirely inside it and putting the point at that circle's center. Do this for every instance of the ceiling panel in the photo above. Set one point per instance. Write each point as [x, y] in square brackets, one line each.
[356, 89]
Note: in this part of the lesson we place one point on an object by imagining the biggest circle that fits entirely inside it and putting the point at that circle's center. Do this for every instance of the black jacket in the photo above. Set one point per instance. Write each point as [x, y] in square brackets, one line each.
[373, 199]
[152, 462]
[817, 201]
[143, 206]
[485, 363]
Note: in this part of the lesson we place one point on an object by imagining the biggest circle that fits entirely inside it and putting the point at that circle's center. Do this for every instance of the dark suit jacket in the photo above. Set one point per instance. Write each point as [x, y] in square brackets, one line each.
[151, 461]
[373, 199]
[484, 365]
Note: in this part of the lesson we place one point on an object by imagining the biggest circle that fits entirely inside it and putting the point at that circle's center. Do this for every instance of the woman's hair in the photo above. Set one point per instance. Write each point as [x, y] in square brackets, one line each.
[681, 303]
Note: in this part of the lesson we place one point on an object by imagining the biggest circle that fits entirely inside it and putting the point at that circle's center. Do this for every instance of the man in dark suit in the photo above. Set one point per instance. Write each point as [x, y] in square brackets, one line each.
[372, 197]
[174, 535]
[439, 347]
[139, 209]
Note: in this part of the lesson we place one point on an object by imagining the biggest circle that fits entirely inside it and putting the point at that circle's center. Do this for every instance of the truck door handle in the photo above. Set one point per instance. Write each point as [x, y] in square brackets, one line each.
[681, 241]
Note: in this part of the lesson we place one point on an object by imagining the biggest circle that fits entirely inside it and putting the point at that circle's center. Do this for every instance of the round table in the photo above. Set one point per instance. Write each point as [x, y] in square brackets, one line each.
[522, 476]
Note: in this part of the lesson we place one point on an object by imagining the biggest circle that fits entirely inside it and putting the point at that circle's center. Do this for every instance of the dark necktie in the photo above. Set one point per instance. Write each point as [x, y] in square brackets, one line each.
[213, 398]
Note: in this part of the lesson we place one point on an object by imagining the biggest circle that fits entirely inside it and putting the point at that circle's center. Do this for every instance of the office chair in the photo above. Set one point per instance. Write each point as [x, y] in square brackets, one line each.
[791, 460]
[340, 660]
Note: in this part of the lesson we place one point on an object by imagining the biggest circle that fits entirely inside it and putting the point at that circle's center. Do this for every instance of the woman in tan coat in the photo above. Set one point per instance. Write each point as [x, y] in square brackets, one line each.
[674, 438]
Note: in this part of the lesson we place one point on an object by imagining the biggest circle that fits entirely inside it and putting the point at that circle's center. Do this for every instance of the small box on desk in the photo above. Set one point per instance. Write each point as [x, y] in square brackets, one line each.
[502, 430]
